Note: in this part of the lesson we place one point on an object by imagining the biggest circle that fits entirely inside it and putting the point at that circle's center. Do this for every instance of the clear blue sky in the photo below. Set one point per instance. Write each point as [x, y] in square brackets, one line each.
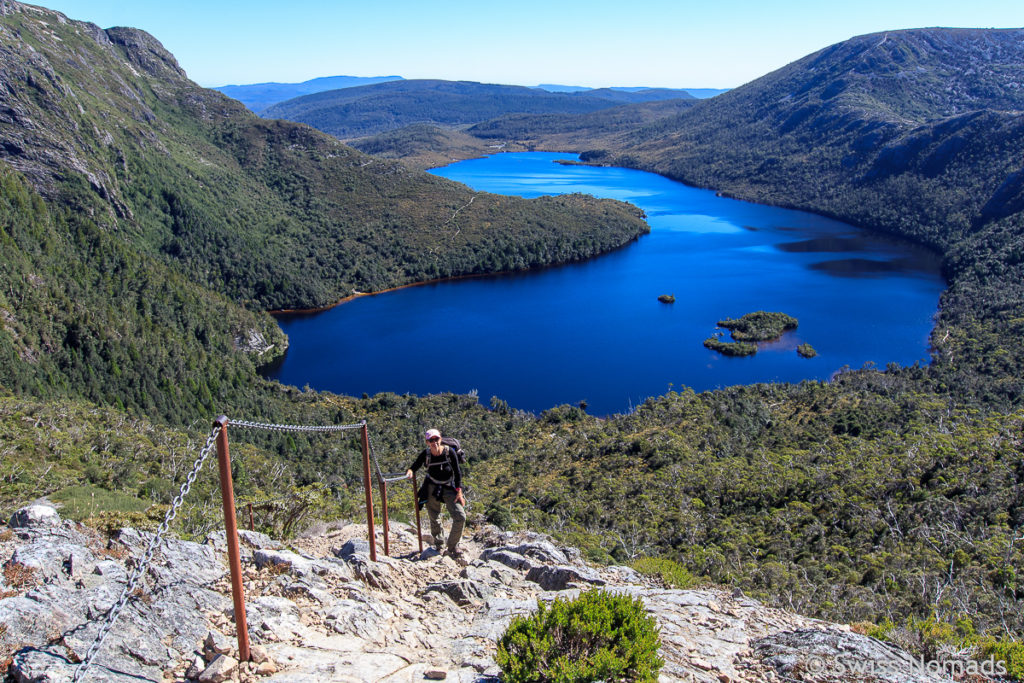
[660, 43]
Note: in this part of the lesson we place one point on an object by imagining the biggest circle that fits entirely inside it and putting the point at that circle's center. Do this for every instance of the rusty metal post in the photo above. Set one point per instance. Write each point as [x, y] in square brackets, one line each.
[227, 492]
[369, 492]
[384, 513]
[252, 525]
[416, 507]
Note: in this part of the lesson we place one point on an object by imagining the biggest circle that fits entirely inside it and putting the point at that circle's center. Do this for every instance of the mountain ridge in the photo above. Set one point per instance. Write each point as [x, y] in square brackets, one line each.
[259, 96]
[373, 109]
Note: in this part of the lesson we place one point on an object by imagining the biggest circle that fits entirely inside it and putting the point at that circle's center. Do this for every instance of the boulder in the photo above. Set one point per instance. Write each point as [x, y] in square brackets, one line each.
[464, 592]
[363, 617]
[175, 561]
[508, 557]
[55, 559]
[34, 516]
[559, 578]
[491, 573]
[833, 655]
[284, 560]
[247, 542]
[544, 551]
[356, 545]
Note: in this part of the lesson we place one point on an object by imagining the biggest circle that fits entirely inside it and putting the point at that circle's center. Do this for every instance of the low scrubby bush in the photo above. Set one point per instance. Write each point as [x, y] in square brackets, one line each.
[673, 574]
[597, 636]
[1009, 652]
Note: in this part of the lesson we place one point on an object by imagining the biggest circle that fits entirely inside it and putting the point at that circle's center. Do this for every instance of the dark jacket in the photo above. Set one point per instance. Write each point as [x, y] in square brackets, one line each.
[443, 472]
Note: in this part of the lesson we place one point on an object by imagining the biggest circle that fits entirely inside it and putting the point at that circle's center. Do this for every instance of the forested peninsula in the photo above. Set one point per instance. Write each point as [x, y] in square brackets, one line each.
[147, 223]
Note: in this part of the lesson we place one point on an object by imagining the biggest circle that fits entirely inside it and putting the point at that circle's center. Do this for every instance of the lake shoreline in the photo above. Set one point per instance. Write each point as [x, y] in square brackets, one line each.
[594, 330]
[451, 278]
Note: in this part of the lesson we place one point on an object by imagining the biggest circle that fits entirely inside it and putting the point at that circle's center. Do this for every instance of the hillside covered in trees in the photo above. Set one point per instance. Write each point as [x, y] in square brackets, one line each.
[362, 111]
[147, 223]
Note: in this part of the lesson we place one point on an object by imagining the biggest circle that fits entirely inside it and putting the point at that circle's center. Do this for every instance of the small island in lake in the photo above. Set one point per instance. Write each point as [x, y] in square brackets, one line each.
[759, 326]
[806, 351]
[730, 348]
[753, 327]
[667, 298]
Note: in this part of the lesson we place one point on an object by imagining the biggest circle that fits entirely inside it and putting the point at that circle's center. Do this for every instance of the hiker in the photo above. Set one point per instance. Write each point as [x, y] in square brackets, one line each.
[443, 484]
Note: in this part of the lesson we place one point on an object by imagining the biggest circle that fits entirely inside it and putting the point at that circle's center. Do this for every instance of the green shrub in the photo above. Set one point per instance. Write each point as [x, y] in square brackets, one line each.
[1011, 653]
[671, 572]
[597, 636]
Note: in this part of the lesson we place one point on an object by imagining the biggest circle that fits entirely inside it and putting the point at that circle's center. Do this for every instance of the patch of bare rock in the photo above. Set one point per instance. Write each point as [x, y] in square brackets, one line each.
[318, 609]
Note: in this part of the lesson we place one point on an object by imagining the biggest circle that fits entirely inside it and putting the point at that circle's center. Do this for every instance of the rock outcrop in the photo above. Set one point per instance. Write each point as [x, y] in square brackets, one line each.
[322, 610]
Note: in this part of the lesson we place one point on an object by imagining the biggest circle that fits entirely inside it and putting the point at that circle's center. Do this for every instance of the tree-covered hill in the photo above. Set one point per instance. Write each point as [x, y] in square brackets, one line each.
[271, 214]
[373, 109]
[608, 128]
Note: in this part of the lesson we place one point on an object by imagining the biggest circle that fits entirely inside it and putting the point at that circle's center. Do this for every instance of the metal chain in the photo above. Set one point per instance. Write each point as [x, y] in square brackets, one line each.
[293, 428]
[147, 557]
[373, 454]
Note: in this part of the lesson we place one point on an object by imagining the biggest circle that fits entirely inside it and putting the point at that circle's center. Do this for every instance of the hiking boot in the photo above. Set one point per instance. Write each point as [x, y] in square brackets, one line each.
[456, 555]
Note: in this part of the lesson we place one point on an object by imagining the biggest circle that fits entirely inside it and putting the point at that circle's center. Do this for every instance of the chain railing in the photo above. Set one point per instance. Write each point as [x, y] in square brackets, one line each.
[218, 437]
[295, 428]
[115, 610]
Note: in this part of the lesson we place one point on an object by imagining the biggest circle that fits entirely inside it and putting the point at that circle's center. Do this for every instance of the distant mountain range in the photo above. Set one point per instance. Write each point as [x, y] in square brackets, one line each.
[372, 109]
[259, 96]
[700, 93]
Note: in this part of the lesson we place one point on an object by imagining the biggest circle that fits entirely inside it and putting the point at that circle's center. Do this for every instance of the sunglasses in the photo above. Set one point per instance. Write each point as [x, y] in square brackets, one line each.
[434, 439]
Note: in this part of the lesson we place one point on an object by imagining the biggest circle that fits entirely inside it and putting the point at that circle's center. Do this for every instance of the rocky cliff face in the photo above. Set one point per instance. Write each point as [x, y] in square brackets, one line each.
[322, 610]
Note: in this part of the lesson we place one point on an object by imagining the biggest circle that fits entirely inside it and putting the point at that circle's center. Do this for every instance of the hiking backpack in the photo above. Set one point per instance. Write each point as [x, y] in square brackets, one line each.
[454, 444]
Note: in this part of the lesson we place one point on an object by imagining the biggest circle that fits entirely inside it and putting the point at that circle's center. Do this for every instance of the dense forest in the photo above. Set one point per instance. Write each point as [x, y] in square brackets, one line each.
[147, 223]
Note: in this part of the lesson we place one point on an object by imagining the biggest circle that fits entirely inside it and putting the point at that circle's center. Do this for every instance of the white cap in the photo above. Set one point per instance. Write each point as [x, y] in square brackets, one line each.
[432, 434]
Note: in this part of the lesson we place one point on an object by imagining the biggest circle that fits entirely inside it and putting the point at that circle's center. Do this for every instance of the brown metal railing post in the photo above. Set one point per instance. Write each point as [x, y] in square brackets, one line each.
[227, 492]
[369, 492]
[384, 513]
[252, 525]
[416, 507]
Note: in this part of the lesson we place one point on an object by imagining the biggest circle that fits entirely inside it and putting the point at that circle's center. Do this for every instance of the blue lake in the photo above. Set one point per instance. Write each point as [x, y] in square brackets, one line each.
[595, 331]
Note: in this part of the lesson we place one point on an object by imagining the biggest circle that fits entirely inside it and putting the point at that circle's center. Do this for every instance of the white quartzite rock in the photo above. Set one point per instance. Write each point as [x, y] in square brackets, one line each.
[34, 516]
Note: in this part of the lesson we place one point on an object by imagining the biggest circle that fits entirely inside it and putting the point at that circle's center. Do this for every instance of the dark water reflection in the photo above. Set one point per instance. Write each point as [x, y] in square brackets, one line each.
[595, 331]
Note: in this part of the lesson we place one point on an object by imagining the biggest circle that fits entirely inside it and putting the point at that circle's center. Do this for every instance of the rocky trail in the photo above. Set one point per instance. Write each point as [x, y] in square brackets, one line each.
[320, 610]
